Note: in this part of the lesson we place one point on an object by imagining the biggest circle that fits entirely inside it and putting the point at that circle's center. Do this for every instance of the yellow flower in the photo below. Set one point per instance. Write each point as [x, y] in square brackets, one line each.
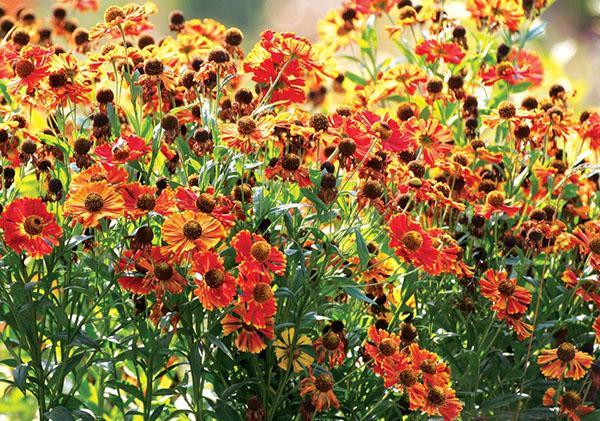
[284, 347]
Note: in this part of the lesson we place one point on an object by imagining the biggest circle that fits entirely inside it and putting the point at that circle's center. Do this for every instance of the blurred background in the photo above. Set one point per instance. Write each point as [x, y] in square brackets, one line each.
[573, 31]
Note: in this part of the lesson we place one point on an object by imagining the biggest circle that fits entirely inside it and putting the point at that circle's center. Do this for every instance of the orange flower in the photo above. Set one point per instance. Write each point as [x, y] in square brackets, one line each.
[139, 199]
[251, 338]
[434, 372]
[124, 149]
[93, 202]
[504, 293]
[29, 227]
[515, 322]
[155, 272]
[429, 136]
[247, 135]
[570, 403]
[187, 231]
[449, 52]
[259, 301]
[320, 390]
[411, 242]
[216, 286]
[331, 347]
[382, 346]
[442, 401]
[564, 361]
[495, 204]
[118, 18]
[255, 253]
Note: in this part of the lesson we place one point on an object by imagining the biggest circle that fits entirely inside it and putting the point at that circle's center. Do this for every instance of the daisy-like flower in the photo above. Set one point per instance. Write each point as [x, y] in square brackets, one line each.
[382, 346]
[433, 371]
[442, 402]
[411, 242]
[250, 338]
[219, 207]
[216, 287]
[564, 361]
[289, 168]
[331, 348]
[259, 301]
[291, 347]
[449, 52]
[155, 271]
[430, 137]
[93, 202]
[570, 403]
[515, 322]
[247, 135]
[124, 149]
[495, 203]
[187, 231]
[504, 293]
[320, 390]
[117, 18]
[29, 227]
[139, 199]
[400, 374]
[254, 252]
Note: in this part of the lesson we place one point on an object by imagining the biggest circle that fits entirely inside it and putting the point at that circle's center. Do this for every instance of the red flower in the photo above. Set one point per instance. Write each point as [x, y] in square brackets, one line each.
[442, 401]
[219, 208]
[124, 149]
[430, 136]
[259, 301]
[434, 372]
[320, 390]
[434, 50]
[504, 293]
[569, 402]
[250, 338]
[29, 227]
[216, 286]
[255, 253]
[155, 271]
[411, 242]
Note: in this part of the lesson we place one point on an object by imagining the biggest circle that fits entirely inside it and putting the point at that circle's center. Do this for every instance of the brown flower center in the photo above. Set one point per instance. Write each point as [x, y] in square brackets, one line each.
[331, 341]
[113, 13]
[387, 347]
[347, 147]
[428, 366]
[94, 202]
[214, 278]
[262, 292]
[34, 225]
[495, 199]
[507, 110]
[290, 162]
[372, 189]
[192, 230]
[121, 153]
[246, 125]
[324, 382]
[205, 203]
[24, 68]
[571, 400]
[163, 271]
[261, 250]
[595, 245]
[566, 352]
[436, 396]
[412, 240]
[407, 378]
[146, 202]
[506, 288]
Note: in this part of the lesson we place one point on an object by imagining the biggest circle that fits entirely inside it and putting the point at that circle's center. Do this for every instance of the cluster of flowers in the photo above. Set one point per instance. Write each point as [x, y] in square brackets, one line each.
[179, 145]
